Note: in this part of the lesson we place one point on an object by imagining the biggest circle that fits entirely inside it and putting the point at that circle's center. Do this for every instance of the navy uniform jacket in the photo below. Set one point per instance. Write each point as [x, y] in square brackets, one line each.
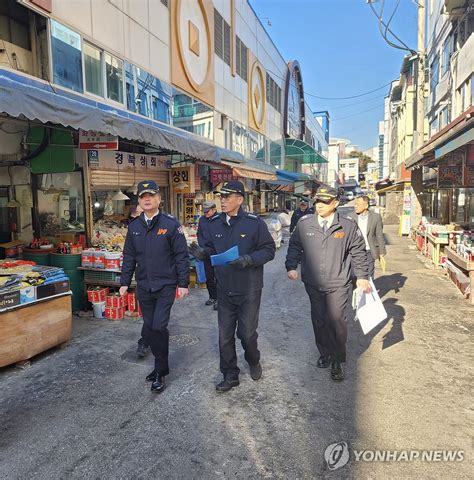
[158, 255]
[251, 235]
[203, 225]
[297, 214]
[326, 257]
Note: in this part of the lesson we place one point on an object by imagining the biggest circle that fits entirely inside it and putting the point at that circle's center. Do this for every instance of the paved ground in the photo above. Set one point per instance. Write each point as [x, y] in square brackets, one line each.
[86, 411]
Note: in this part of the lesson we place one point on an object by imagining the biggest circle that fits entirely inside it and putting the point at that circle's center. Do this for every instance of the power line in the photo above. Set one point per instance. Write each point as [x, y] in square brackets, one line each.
[378, 97]
[403, 45]
[355, 114]
[334, 98]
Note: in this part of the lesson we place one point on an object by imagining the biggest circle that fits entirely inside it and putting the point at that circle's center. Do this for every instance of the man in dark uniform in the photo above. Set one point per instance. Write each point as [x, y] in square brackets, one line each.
[210, 214]
[240, 282]
[326, 244]
[155, 249]
[300, 212]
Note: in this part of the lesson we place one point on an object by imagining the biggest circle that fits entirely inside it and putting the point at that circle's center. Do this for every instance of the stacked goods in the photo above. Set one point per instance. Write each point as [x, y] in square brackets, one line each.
[115, 305]
[97, 294]
[462, 242]
[26, 286]
[106, 258]
[110, 233]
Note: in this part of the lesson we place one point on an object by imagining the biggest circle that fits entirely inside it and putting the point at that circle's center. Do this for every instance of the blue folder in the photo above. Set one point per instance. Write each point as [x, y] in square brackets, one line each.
[225, 257]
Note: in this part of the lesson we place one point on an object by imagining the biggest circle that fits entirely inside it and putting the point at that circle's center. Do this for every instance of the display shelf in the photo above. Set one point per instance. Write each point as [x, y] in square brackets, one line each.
[464, 265]
[41, 300]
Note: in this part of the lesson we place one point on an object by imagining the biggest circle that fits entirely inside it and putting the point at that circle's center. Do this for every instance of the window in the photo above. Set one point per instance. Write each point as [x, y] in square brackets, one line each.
[434, 78]
[66, 53]
[352, 165]
[446, 55]
[433, 126]
[93, 70]
[241, 59]
[114, 74]
[443, 118]
[273, 93]
[14, 24]
[221, 37]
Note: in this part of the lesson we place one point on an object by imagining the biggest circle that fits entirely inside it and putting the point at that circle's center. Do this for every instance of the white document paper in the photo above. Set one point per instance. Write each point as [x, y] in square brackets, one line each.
[369, 309]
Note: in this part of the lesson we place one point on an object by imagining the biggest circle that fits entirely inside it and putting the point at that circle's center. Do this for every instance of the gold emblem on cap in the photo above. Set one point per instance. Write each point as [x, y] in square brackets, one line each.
[146, 185]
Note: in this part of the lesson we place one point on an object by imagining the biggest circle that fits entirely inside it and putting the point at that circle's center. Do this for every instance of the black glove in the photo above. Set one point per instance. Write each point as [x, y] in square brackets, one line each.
[198, 252]
[242, 262]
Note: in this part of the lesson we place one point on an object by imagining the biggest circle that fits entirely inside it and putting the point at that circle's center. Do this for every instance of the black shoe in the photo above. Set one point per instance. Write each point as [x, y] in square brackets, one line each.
[151, 377]
[142, 350]
[215, 305]
[211, 301]
[227, 384]
[337, 373]
[256, 371]
[159, 384]
[323, 361]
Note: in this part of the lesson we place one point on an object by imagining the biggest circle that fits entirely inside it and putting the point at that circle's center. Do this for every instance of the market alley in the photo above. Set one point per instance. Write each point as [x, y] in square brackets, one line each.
[85, 411]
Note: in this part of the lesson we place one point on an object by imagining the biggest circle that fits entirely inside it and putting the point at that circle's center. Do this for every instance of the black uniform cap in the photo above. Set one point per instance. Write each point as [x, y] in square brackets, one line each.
[232, 187]
[147, 186]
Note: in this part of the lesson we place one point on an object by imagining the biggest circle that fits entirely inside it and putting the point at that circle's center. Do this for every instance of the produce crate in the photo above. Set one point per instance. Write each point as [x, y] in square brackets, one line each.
[101, 276]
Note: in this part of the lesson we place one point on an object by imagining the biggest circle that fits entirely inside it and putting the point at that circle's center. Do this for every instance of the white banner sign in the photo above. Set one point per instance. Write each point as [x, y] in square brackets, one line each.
[107, 160]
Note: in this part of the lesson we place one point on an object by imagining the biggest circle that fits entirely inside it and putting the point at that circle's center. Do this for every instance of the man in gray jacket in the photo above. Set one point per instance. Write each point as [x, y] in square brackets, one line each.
[326, 244]
[371, 226]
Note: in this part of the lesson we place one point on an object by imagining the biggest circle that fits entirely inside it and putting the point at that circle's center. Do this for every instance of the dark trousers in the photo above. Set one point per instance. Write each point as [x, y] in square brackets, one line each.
[328, 314]
[156, 308]
[142, 339]
[210, 279]
[237, 312]
[371, 262]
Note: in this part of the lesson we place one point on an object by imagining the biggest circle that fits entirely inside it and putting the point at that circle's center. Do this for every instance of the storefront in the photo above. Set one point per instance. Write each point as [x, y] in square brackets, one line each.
[446, 233]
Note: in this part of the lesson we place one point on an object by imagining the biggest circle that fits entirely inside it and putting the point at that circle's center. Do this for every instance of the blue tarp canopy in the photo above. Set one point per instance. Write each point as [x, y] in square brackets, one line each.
[36, 100]
[285, 175]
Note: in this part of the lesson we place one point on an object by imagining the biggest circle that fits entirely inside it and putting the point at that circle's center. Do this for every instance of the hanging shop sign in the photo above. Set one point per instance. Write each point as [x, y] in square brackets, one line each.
[222, 175]
[183, 179]
[106, 160]
[189, 208]
[405, 220]
[92, 140]
[450, 176]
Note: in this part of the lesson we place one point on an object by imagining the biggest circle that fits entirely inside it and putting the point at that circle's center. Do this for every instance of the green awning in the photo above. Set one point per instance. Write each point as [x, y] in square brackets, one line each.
[302, 152]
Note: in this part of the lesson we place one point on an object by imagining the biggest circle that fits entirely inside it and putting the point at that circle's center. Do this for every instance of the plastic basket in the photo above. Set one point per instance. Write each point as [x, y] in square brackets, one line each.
[101, 276]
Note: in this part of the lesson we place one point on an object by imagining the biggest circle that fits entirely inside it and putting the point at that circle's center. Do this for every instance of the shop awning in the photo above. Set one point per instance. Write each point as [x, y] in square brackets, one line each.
[292, 176]
[460, 141]
[36, 100]
[302, 152]
[253, 169]
[397, 187]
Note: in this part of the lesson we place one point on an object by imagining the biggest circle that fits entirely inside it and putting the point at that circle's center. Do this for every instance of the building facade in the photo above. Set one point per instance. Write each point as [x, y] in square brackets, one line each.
[194, 93]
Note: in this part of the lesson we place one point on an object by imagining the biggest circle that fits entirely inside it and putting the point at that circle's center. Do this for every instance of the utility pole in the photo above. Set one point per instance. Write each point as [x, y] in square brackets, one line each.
[416, 174]
[420, 84]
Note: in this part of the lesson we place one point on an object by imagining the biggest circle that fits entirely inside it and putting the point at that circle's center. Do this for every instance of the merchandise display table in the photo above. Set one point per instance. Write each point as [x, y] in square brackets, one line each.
[433, 248]
[462, 264]
[32, 328]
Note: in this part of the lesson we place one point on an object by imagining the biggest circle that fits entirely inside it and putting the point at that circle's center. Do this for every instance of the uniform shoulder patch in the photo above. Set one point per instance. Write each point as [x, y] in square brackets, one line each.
[215, 217]
[252, 215]
[305, 217]
[169, 215]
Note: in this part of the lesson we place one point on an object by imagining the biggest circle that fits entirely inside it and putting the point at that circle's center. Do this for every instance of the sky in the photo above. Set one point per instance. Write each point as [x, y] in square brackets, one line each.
[342, 53]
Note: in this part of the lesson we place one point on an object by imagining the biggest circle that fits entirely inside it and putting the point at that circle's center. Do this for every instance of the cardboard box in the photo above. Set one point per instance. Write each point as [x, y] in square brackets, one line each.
[97, 295]
[45, 291]
[27, 295]
[9, 299]
[116, 301]
[131, 302]
[114, 313]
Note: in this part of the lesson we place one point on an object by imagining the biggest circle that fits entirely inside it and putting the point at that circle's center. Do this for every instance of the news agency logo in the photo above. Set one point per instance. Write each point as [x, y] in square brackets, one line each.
[336, 455]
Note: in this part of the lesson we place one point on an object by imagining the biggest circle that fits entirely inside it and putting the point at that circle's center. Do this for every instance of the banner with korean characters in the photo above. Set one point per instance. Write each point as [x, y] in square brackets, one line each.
[108, 160]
